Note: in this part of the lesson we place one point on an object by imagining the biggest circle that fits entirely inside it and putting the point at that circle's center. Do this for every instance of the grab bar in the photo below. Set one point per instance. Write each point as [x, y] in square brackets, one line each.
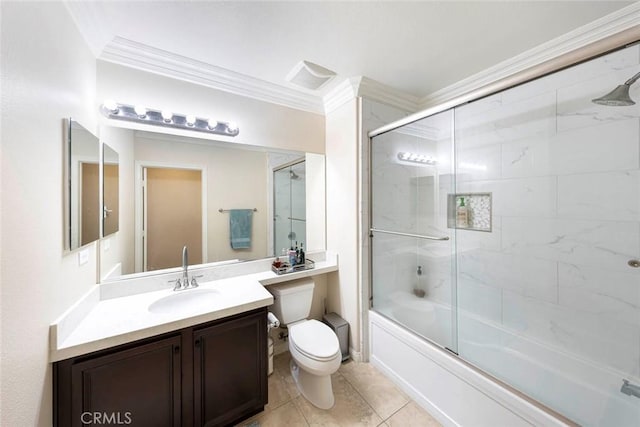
[417, 236]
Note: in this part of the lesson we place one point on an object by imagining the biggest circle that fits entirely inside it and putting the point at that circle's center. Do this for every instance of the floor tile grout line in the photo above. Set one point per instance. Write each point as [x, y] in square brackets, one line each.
[399, 409]
[371, 406]
[363, 398]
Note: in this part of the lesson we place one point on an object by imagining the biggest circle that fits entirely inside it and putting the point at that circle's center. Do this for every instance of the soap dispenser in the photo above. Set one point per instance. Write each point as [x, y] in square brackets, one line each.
[462, 215]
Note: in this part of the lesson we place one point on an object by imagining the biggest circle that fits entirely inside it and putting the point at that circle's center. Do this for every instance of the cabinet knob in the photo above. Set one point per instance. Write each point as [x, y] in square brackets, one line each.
[197, 343]
[176, 349]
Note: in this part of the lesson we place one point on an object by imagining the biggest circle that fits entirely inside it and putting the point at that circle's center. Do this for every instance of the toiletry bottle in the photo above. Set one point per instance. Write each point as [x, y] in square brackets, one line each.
[297, 253]
[302, 257]
[292, 256]
[462, 215]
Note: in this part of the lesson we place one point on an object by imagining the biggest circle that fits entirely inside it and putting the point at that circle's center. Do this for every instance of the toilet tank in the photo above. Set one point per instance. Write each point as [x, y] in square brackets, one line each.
[292, 300]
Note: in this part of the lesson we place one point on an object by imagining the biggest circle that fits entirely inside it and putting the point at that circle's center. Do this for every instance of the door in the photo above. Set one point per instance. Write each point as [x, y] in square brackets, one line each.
[290, 224]
[111, 210]
[89, 215]
[230, 370]
[412, 246]
[139, 386]
[172, 216]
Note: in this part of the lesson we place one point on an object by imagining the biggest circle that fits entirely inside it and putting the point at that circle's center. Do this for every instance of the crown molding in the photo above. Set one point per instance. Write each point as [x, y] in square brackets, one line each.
[376, 91]
[143, 57]
[342, 93]
[365, 87]
[607, 26]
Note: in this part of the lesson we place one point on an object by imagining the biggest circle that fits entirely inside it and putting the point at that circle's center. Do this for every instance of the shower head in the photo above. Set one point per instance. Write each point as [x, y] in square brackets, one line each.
[619, 97]
[293, 175]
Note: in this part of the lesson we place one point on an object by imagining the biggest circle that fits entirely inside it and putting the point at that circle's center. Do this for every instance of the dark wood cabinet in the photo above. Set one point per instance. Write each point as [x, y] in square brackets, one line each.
[213, 374]
[228, 381]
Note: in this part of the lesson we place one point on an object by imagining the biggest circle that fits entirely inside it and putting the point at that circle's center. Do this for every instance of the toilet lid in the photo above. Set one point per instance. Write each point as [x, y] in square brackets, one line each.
[314, 339]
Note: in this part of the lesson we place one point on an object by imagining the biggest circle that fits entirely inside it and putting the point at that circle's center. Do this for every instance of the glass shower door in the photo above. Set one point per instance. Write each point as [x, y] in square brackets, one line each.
[289, 207]
[413, 259]
[549, 301]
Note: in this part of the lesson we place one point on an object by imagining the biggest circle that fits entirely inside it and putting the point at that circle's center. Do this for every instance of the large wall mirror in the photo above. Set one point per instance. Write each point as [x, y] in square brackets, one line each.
[82, 186]
[180, 191]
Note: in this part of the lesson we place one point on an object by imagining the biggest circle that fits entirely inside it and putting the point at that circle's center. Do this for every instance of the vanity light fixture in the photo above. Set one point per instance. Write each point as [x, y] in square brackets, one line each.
[416, 158]
[111, 105]
[166, 118]
[140, 111]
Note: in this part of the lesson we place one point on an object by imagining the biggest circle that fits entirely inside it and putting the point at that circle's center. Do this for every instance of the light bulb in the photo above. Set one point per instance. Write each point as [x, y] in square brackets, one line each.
[140, 111]
[232, 126]
[191, 120]
[167, 116]
[111, 105]
[212, 124]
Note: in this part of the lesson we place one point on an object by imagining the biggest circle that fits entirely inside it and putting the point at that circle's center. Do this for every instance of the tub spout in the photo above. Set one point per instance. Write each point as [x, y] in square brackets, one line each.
[630, 389]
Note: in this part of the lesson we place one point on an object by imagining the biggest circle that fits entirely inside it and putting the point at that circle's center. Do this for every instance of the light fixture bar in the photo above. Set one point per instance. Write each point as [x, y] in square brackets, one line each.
[416, 158]
[139, 114]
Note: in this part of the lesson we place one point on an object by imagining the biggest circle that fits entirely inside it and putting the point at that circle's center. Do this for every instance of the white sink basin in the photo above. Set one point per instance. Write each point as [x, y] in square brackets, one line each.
[186, 302]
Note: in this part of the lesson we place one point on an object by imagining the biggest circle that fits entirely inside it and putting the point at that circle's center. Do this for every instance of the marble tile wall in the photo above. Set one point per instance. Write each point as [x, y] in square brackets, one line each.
[565, 178]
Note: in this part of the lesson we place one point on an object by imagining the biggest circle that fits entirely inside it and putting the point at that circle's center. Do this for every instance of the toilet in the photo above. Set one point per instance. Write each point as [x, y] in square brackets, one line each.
[314, 348]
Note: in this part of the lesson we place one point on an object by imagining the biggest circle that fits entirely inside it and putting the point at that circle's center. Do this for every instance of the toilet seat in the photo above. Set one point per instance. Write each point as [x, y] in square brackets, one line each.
[314, 340]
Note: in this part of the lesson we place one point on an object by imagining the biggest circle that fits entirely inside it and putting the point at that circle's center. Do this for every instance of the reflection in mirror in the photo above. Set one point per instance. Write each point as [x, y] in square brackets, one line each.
[289, 206]
[180, 191]
[82, 205]
[110, 185]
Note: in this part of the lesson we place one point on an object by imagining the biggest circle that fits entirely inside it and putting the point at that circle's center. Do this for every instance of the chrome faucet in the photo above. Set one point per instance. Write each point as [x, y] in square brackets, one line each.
[185, 266]
[184, 283]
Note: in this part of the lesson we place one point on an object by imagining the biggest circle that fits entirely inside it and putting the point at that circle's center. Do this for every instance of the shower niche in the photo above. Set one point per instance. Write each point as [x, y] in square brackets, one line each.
[478, 210]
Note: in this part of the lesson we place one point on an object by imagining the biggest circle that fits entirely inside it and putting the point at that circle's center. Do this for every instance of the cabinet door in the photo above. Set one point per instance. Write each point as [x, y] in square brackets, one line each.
[138, 386]
[230, 370]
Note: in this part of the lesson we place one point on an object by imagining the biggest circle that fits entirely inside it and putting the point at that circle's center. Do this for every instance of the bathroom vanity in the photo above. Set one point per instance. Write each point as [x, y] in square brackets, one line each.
[136, 352]
[214, 373]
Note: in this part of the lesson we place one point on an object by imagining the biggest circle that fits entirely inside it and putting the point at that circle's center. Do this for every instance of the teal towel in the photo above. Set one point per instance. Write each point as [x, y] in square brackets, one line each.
[240, 228]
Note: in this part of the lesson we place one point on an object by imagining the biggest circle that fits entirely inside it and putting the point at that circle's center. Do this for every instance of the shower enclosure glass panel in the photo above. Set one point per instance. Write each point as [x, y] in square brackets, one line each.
[547, 301]
[289, 206]
[412, 249]
[544, 294]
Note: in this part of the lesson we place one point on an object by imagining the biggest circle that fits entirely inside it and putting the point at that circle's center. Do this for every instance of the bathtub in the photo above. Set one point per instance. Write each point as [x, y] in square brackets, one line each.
[457, 393]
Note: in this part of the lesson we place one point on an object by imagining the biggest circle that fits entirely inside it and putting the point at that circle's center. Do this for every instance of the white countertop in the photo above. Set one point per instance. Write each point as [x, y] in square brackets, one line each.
[94, 324]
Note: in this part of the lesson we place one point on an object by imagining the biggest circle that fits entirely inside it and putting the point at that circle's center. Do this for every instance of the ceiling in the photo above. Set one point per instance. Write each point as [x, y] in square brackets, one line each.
[414, 47]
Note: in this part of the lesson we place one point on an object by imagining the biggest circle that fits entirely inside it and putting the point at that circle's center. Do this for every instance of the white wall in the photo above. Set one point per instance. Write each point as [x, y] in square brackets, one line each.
[342, 219]
[260, 123]
[48, 73]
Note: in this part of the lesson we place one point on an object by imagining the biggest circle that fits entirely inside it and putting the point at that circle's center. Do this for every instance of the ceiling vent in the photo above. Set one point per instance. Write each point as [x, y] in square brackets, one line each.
[309, 75]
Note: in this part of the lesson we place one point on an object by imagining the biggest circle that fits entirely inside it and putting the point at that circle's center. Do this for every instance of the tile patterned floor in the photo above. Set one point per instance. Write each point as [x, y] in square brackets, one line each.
[364, 397]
